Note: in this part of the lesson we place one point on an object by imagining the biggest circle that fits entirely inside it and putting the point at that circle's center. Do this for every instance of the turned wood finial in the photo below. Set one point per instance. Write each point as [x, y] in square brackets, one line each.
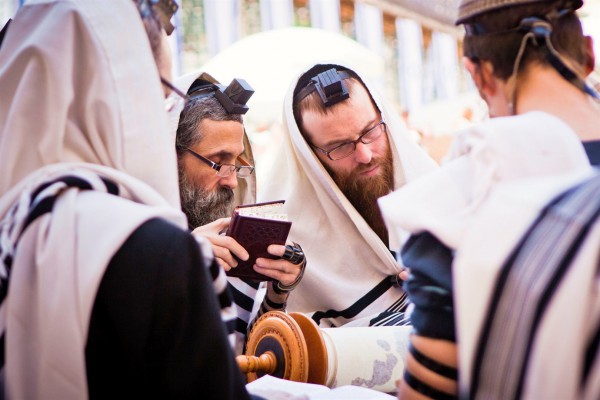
[278, 346]
[264, 364]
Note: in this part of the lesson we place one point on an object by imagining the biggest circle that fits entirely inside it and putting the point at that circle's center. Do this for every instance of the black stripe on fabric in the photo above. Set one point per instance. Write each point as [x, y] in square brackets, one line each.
[358, 306]
[68, 180]
[544, 298]
[590, 356]
[230, 326]
[240, 326]
[425, 389]
[399, 305]
[547, 296]
[214, 270]
[431, 364]
[46, 204]
[111, 187]
[224, 299]
[41, 208]
[240, 299]
[495, 298]
[390, 319]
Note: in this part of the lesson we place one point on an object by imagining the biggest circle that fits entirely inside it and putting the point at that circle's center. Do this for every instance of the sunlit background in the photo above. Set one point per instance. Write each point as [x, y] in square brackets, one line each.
[409, 48]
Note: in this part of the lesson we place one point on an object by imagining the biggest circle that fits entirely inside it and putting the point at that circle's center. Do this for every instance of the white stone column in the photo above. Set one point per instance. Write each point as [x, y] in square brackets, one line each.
[444, 54]
[410, 63]
[368, 21]
[325, 14]
[275, 14]
[222, 21]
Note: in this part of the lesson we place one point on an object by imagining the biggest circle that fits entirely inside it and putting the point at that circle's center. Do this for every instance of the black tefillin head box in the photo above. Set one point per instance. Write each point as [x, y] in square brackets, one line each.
[235, 96]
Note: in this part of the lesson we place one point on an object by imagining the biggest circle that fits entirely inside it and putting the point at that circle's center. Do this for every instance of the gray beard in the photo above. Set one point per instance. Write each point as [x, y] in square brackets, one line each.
[202, 207]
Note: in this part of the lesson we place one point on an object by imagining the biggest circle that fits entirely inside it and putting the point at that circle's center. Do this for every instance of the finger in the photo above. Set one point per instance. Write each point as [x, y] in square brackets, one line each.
[223, 264]
[276, 250]
[231, 245]
[279, 275]
[404, 274]
[224, 255]
[281, 270]
[213, 228]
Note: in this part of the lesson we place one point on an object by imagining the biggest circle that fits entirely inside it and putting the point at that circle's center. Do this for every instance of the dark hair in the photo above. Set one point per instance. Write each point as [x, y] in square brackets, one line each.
[313, 102]
[501, 45]
[194, 112]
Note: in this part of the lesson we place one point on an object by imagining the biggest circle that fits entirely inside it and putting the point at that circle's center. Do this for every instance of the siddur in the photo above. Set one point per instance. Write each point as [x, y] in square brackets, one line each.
[255, 227]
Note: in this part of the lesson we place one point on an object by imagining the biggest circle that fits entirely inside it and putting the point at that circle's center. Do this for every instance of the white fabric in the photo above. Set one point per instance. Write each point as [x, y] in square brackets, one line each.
[79, 87]
[554, 366]
[345, 257]
[498, 150]
[52, 292]
[499, 175]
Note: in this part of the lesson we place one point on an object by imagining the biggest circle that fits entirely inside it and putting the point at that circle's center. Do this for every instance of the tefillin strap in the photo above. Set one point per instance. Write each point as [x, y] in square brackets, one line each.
[542, 30]
[539, 29]
[233, 98]
[329, 85]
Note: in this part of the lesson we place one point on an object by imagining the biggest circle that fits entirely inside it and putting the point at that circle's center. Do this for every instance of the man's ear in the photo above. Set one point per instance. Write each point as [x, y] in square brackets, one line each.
[482, 74]
[590, 55]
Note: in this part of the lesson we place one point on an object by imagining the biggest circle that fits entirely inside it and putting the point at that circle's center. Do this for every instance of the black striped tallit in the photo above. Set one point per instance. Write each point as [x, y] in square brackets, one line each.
[392, 316]
[524, 289]
[26, 210]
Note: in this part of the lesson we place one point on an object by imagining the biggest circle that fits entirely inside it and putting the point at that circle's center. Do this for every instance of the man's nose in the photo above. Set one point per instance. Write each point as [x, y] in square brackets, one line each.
[229, 181]
[363, 153]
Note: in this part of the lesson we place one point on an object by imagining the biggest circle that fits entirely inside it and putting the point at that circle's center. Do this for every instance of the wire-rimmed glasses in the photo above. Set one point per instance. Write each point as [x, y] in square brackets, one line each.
[224, 170]
[347, 148]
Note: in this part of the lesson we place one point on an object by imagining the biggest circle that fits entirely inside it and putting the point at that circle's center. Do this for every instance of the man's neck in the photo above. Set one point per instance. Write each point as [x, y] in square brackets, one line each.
[543, 89]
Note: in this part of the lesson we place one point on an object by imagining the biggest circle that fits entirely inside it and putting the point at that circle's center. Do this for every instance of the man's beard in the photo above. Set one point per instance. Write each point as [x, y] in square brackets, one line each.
[363, 192]
[201, 206]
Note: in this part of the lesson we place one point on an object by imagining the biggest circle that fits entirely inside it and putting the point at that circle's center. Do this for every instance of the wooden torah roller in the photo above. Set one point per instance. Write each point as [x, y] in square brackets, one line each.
[287, 346]
[291, 346]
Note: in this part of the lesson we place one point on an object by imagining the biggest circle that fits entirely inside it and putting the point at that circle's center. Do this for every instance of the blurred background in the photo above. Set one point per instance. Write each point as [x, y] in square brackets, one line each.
[410, 49]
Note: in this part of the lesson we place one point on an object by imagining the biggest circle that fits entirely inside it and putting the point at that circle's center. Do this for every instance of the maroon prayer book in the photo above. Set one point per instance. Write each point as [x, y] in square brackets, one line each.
[255, 227]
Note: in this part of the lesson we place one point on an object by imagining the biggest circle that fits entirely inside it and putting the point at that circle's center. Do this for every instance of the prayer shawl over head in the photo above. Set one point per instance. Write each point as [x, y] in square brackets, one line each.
[464, 205]
[82, 119]
[348, 270]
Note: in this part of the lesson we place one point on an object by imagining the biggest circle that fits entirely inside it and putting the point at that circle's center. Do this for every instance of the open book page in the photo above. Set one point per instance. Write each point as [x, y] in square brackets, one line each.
[267, 211]
[272, 388]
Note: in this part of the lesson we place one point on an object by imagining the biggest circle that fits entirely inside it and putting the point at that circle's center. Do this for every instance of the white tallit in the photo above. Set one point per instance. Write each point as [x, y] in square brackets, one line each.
[345, 257]
[499, 176]
[554, 366]
[81, 96]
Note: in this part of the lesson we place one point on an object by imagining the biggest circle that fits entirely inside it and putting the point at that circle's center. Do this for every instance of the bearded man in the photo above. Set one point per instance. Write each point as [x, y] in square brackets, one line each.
[215, 175]
[343, 149]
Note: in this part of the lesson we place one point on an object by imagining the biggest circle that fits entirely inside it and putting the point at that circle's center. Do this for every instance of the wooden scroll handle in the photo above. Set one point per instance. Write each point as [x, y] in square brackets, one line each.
[264, 364]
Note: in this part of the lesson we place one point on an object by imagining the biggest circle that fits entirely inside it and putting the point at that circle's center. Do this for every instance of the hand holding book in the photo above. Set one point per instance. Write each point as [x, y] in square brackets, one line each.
[257, 227]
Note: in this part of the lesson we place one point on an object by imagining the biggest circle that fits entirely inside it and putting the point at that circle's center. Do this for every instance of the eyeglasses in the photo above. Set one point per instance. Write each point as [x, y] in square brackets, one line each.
[224, 170]
[176, 98]
[347, 148]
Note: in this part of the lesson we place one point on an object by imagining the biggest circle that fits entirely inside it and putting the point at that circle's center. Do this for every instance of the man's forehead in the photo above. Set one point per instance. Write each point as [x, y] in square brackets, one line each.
[226, 136]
